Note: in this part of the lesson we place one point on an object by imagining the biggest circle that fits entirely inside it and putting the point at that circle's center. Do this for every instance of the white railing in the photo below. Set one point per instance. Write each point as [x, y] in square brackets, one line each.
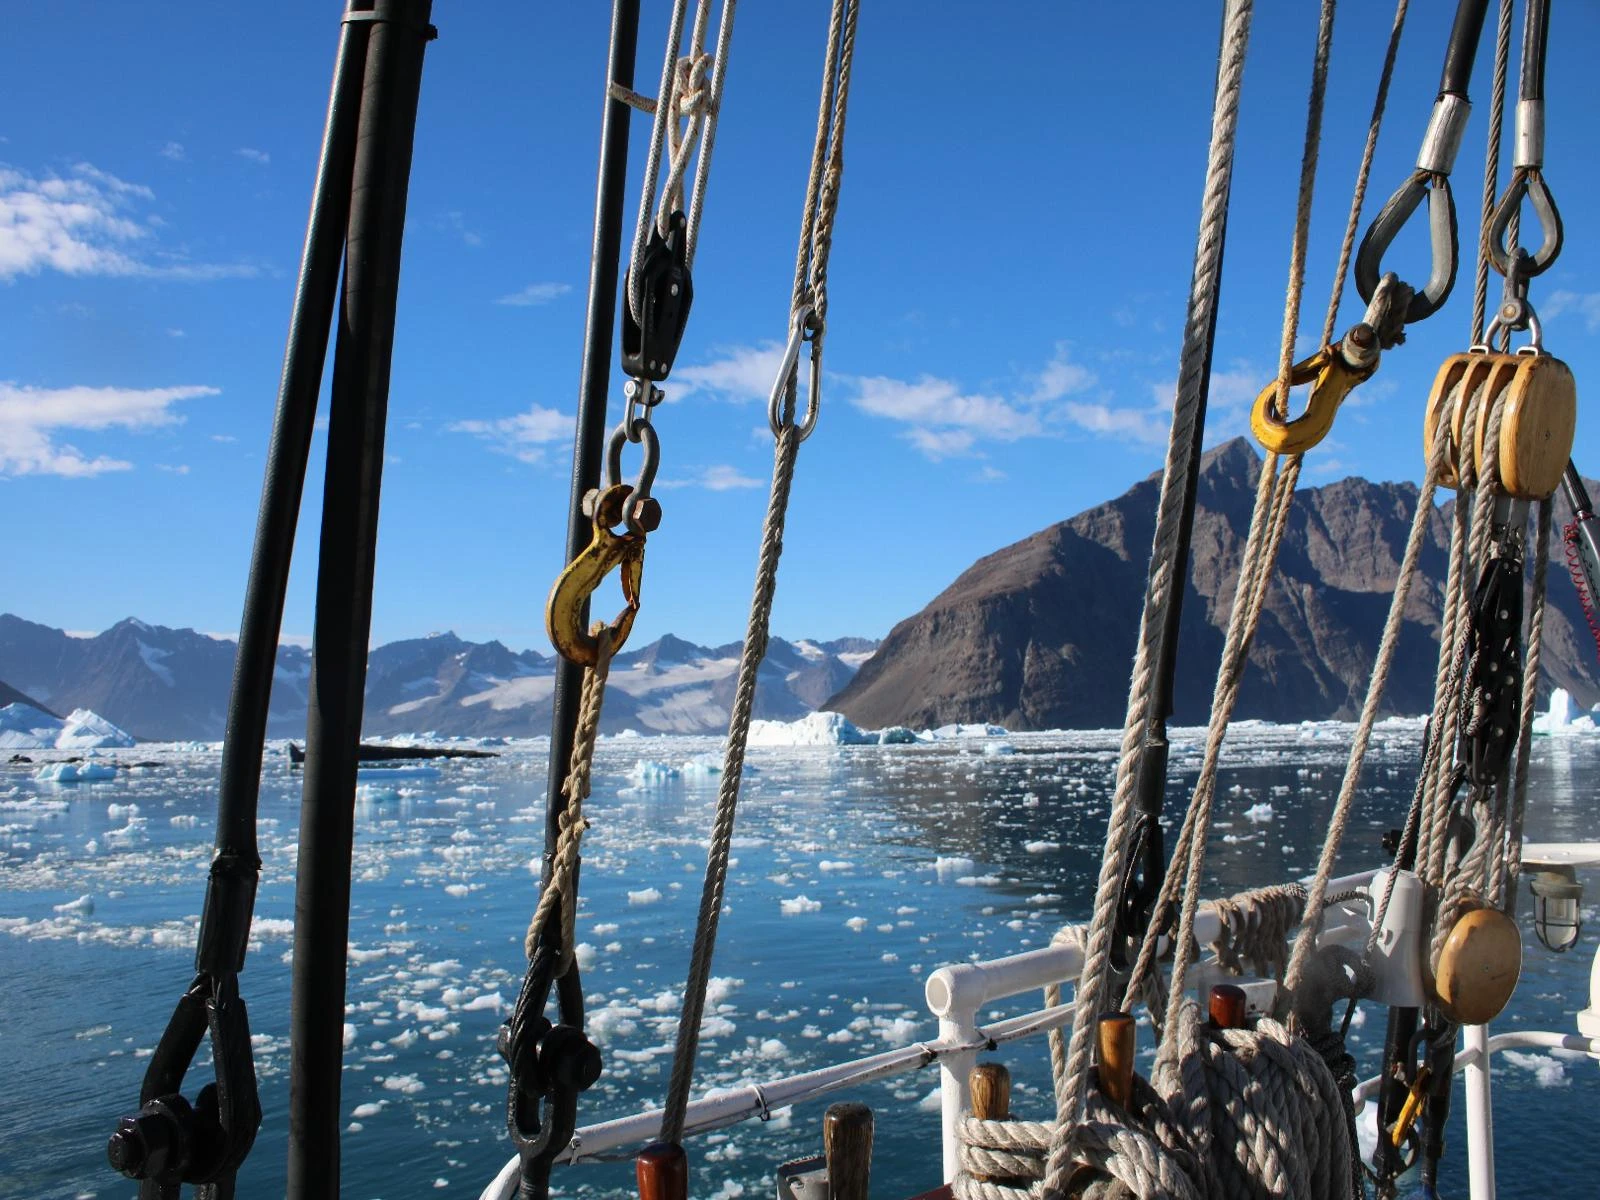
[957, 993]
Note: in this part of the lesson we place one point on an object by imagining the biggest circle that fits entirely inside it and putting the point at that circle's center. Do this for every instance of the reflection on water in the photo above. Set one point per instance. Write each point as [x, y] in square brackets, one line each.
[856, 872]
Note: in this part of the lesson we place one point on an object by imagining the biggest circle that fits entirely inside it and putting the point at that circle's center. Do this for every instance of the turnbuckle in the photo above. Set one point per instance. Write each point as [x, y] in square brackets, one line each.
[171, 1141]
[802, 329]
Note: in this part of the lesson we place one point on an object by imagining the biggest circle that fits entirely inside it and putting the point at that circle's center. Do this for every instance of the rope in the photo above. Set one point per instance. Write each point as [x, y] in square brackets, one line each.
[1240, 1113]
[1381, 667]
[1503, 888]
[1256, 927]
[690, 101]
[1274, 495]
[1193, 367]
[1363, 173]
[1491, 165]
[817, 230]
[562, 889]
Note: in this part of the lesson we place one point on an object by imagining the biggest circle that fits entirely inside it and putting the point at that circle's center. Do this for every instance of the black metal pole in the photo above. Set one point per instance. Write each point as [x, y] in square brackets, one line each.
[589, 441]
[287, 455]
[359, 407]
[1148, 866]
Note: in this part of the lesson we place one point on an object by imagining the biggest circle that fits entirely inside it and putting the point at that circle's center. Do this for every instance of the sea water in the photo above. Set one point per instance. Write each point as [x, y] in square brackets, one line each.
[856, 871]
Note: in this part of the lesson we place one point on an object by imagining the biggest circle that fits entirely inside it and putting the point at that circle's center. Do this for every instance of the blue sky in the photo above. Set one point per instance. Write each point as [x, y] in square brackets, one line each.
[1008, 280]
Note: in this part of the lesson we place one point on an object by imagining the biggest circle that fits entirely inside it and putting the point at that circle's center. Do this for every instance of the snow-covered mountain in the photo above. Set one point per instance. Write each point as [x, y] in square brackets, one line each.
[172, 684]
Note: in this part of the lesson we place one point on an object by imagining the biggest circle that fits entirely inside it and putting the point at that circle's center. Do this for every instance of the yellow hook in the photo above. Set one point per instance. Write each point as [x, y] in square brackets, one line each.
[563, 612]
[1332, 377]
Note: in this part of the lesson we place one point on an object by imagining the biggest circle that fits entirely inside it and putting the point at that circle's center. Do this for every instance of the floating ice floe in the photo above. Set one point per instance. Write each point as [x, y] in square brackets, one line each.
[800, 904]
[949, 868]
[1562, 717]
[23, 727]
[645, 771]
[964, 730]
[79, 772]
[1259, 813]
[814, 729]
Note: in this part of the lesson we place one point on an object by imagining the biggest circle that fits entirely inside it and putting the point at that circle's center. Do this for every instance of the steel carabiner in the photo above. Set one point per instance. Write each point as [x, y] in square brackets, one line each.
[564, 612]
[1332, 377]
[788, 377]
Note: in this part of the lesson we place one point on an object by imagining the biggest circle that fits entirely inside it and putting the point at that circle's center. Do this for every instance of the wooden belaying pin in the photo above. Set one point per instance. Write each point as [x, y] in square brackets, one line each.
[847, 1145]
[1229, 1006]
[1114, 1042]
[662, 1169]
[990, 1085]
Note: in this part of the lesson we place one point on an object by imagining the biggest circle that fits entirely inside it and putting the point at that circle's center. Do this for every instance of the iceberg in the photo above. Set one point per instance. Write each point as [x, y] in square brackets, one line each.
[1560, 718]
[814, 729]
[65, 772]
[85, 730]
[23, 727]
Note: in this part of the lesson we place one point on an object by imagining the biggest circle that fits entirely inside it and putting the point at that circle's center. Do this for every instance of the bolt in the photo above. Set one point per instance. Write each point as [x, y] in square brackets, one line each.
[647, 514]
[126, 1149]
[590, 499]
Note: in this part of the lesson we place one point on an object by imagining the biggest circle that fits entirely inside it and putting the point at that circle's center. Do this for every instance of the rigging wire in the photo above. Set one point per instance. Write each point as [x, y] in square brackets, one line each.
[808, 314]
[1093, 985]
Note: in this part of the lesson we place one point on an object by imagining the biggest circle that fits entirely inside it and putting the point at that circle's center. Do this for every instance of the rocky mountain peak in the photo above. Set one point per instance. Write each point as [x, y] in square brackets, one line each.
[1040, 634]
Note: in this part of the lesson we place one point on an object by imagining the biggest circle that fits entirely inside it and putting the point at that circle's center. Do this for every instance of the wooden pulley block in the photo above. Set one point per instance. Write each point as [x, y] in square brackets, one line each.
[1484, 374]
[1538, 420]
[1478, 966]
[1459, 376]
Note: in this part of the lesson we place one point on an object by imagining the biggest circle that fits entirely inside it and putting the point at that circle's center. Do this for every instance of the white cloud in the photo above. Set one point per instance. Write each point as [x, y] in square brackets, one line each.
[741, 373]
[456, 222]
[522, 436]
[174, 151]
[535, 293]
[1585, 304]
[1147, 426]
[86, 223]
[31, 418]
[947, 421]
[250, 154]
[718, 478]
[1232, 394]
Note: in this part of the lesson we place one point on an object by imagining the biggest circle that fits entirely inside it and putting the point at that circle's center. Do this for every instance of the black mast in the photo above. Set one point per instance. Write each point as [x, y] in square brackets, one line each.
[391, 84]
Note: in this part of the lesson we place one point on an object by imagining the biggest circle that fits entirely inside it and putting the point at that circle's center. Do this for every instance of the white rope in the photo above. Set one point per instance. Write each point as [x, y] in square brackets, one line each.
[1240, 1113]
[562, 889]
[817, 228]
[1420, 521]
[1203, 299]
[686, 111]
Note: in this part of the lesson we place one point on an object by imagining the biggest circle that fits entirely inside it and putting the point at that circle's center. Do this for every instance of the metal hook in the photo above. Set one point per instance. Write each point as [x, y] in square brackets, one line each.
[788, 371]
[1526, 182]
[564, 611]
[1332, 375]
[1441, 235]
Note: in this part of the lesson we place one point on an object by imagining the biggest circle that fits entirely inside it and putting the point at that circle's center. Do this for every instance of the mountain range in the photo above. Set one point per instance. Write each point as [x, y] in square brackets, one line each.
[163, 684]
[1041, 634]
[1037, 635]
